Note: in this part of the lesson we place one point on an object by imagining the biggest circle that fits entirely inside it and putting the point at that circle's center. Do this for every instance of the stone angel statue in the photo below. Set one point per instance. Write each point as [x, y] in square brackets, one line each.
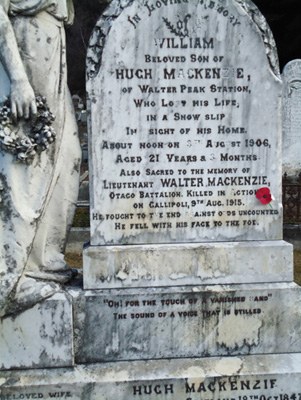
[39, 151]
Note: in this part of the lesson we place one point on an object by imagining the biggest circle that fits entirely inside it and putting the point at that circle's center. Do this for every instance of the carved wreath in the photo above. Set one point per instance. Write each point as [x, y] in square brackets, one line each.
[37, 137]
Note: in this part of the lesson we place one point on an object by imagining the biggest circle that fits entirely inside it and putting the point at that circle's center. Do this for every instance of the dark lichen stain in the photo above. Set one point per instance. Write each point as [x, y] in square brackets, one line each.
[11, 381]
[33, 22]
[76, 166]
[42, 331]
[49, 40]
[5, 209]
[44, 359]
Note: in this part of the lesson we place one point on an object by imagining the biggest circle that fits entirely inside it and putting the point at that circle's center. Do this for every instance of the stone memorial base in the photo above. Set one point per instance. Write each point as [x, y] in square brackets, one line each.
[195, 342]
[259, 377]
[153, 323]
[107, 267]
[41, 337]
[179, 322]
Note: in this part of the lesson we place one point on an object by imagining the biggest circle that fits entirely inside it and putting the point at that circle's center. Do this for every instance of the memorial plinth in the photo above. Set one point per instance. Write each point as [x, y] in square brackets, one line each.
[41, 337]
[197, 263]
[187, 322]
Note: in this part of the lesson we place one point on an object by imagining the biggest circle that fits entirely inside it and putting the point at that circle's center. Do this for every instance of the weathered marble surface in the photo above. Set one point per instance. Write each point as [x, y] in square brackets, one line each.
[41, 337]
[210, 378]
[150, 323]
[39, 154]
[175, 155]
[291, 118]
[187, 264]
[4, 84]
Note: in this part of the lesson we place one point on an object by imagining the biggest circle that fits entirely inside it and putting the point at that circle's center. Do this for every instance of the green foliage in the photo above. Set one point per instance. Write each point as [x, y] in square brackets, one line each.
[297, 263]
[81, 217]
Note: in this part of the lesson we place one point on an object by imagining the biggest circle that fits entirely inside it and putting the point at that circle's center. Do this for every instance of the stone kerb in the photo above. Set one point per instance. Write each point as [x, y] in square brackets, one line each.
[227, 377]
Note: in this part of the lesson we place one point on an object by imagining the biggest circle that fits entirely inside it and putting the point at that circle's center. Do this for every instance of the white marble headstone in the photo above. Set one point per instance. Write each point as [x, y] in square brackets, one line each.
[291, 141]
[184, 101]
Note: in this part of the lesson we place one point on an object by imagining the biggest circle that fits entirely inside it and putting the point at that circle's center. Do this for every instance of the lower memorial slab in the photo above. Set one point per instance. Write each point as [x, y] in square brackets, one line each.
[262, 377]
[177, 322]
[107, 267]
[40, 337]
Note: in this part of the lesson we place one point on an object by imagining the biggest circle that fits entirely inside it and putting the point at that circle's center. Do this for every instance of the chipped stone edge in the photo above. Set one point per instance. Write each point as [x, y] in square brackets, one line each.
[267, 36]
[107, 267]
[101, 30]
[125, 373]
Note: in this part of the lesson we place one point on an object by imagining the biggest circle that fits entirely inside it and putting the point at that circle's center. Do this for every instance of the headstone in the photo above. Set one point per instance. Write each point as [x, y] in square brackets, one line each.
[291, 116]
[184, 131]
[188, 286]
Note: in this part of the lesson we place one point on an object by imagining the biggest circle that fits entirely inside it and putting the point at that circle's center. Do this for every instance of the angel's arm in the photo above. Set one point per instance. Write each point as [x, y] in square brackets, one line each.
[22, 96]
